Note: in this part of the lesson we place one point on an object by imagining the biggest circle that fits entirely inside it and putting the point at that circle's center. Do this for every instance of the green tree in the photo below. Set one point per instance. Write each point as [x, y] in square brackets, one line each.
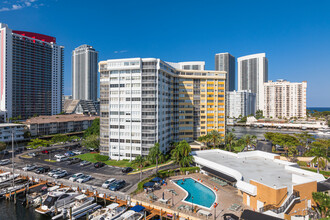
[204, 139]
[91, 142]
[322, 200]
[215, 137]
[94, 129]
[304, 139]
[259, 114]
[36, 143]
[3, 146]
[319, 152]
[230, 139]
[249, 140]
[139, 162]
[181, 154]
[27, 134]
[71, 138]
[59, 138]
[156, 155]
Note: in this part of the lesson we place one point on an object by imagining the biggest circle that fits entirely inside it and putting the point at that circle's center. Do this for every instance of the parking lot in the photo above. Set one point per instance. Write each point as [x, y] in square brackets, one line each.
[100, 175]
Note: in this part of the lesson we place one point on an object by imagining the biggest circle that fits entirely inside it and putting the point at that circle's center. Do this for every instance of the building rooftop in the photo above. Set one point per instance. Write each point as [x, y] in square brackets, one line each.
[259, 166]
[58, 118]
[10, 125]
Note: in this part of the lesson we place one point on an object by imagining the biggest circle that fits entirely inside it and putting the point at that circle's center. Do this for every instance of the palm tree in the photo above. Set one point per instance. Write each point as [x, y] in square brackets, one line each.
[304, 138]
[203, 139]
[139, 162]
[155, 155]
[181, 154]
[322, 200]
[230, 139]
[319, 152]
[249, 139]
[215, 137]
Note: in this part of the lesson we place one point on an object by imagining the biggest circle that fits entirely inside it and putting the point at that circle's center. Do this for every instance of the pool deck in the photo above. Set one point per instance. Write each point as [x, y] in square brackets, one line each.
[226, 196]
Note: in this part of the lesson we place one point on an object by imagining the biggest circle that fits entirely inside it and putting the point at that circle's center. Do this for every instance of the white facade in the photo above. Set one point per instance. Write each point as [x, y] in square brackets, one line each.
[240, 103]
[189, 65]
[57, 78]
[6, 130]
[284, 99]
[251, 75]
[84, 73]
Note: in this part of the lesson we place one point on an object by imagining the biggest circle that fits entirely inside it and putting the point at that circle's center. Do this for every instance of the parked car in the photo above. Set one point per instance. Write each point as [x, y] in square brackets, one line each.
[117, 185]
[107, 183]
[41, 170]
[84, 163]
[69, 154]
[59, 156]
[52, 172]
[77, 152]
[60, 174]
[99, 164]
[84, 178]
[4, 162]
[74, 160]
[76, 176]
[32, 154]
[45, 152]
[29, 167]
[127, 169]
[61, 159]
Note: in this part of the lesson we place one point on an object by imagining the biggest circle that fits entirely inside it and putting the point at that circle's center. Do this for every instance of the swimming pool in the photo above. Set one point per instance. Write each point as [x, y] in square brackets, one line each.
[202, 195]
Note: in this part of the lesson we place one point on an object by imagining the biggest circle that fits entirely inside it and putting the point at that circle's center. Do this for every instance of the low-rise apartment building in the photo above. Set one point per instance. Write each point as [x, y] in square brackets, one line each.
[7, 129]
[285, 99]
[58, 124]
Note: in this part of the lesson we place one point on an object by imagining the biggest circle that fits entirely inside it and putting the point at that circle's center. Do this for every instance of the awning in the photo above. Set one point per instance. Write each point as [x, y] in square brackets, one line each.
[149, 184]
[156, 179]
[251, 215]
[220, 175]
[137, 208]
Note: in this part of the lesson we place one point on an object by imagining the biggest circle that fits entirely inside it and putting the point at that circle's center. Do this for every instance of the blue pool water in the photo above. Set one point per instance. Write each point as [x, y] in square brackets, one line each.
[201, 194]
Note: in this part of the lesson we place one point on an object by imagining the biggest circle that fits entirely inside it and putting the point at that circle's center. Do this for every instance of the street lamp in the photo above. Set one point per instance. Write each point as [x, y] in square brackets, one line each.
[192, 204]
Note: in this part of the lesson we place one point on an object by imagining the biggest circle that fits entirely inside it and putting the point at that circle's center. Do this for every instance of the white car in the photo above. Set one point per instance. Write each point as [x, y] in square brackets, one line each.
[107, 183]
[29, 167]
[76, 176]
[84, 178]
[64, 158]
[52, 172]
[60, 174]
[5, 162]
[32, 154]
[77, 152]
[59, 156]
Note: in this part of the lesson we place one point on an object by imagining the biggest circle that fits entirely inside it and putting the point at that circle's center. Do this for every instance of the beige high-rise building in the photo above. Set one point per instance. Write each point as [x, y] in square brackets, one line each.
[284, 99]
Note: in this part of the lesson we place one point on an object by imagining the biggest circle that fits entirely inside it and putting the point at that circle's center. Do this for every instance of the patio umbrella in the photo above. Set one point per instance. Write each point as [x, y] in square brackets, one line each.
[156, 179]
[149, 184]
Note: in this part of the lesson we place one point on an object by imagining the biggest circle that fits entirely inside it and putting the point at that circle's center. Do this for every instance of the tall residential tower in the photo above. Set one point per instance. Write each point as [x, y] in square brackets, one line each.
[252, 73]
[147, 100]
[226, 62]
[31, 69]
[84, 73]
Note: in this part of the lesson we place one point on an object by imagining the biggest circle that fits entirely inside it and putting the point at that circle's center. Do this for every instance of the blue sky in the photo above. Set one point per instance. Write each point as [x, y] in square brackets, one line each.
[293, 34]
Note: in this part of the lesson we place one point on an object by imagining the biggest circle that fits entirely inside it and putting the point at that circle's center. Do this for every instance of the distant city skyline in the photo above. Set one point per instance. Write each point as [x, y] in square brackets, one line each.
[288, 35]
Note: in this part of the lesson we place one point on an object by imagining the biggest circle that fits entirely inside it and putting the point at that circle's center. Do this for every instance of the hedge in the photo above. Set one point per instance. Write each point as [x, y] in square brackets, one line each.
[189, 169]
[302, 163]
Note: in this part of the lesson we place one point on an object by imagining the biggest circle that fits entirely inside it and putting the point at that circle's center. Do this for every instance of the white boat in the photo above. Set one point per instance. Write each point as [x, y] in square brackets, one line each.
[5, 177]
[101, 213]
[12, 189]
[56, 201]
[114, 213]
[81, 202]
[131, 215]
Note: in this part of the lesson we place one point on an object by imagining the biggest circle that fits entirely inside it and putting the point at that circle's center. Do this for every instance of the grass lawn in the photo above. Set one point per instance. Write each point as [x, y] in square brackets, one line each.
[26, 156]
[117, 163]
[48, 160]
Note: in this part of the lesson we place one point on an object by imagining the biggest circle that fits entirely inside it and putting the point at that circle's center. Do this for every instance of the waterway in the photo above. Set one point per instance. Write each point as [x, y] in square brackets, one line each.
[240, 131]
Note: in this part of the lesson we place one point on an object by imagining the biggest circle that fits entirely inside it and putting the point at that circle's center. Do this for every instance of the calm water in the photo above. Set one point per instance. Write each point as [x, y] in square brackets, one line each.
[10, 211]
[201, 194]
[319, 109]
[259, 132]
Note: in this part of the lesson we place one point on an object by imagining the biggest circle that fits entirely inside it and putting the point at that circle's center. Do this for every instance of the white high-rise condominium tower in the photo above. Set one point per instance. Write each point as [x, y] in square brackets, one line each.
[147, 100]
[31, 69]
[240, 103]
[226, 62]
[284, 99]
[84, 73]
[252, 73]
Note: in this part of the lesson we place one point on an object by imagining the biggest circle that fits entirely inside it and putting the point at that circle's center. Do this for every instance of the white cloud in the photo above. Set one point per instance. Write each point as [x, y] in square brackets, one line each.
[19, 4]
[121, 51]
